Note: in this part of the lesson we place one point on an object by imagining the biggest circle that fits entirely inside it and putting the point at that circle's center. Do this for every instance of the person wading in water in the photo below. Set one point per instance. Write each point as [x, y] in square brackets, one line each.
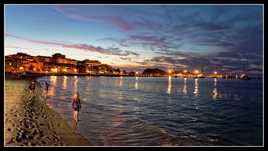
[76, 105]
[32, 86]
[47, 85]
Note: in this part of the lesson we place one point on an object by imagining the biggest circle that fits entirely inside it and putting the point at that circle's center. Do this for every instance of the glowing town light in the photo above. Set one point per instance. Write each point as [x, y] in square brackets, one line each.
[196, 71]
[54, 70]
[215, 72]
[137, 72]
[21, 68]
[200, 75]
[169, 71]
[75, 70]
[184, 71]
[65, 70]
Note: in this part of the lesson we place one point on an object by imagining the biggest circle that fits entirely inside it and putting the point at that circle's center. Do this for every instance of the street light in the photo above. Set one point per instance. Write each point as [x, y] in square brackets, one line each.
[169, 71]
[215, 72]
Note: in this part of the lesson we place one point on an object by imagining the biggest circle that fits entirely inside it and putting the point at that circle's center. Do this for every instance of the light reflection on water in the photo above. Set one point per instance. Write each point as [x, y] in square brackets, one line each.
[137, 83]
[75, 84]
[65, 78]
[116, 113]
[196, 87]
[169, 85]
[53, 82]
[120, 81]
[215, 92]
[185, 86]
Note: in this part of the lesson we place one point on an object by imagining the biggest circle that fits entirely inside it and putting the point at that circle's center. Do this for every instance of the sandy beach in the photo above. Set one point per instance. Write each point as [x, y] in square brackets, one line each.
[30, 122]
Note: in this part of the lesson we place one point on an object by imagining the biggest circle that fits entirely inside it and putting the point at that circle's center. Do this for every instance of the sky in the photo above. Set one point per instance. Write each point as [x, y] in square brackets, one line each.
[223, 38]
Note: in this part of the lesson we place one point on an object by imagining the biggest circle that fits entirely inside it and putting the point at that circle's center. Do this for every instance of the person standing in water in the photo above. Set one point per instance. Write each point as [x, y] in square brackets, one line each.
[47, 85]
[76, 105]
[32, 86]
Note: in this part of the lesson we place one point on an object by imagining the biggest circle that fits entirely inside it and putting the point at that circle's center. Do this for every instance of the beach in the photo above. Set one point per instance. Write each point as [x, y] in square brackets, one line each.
[30, 122]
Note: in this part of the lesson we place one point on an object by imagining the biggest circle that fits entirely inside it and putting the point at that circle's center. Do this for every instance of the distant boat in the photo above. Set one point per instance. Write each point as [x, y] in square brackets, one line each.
[244, 77]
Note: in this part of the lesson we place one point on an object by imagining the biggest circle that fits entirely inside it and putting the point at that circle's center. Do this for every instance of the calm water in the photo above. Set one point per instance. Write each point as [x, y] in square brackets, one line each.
[134, 111]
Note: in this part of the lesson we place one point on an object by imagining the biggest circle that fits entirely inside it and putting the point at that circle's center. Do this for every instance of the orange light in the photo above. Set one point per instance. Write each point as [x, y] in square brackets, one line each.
[64, 70]
[184, 71]
[21, 68]
[196, 71]
[169, 71]
[199, 75]
[75, 70]
[54, 70]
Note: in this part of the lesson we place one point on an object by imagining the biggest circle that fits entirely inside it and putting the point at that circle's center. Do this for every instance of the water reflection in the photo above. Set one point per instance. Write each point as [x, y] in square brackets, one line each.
[185, 86]
[120, 81]
[53, 81]
[169, 85]
[75, 84]
[196, 87]
[215, 92]
[136, 83]
[64, 82]
[116, 121]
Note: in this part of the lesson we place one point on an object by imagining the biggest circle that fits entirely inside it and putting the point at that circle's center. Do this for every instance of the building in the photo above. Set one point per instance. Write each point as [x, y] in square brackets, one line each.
[21, 62]
[88, 66]
[61, 59]
[58, 63]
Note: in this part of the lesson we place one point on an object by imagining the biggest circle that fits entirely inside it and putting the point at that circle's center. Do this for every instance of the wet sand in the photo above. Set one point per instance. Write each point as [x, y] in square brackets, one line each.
[30, 122]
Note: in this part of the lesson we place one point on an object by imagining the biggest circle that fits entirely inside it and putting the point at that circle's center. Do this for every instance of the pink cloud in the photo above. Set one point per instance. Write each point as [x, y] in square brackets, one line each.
[85, 47]
[114, 20]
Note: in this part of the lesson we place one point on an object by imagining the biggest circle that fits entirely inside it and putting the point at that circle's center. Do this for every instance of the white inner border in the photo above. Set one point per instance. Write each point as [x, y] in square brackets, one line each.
[151, 4]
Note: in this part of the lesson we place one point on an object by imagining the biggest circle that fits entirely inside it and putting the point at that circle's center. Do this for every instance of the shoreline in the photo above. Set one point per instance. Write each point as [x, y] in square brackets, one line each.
[30, 122]
[32, 76]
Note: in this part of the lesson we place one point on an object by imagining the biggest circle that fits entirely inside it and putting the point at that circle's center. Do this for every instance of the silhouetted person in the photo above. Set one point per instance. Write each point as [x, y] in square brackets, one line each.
[76, 105]
[32, 86]
[47, 85]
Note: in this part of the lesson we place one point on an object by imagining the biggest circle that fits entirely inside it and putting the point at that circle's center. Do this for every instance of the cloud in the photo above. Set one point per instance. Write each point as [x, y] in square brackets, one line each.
[75, 13]
[219, 28]
[84, 47]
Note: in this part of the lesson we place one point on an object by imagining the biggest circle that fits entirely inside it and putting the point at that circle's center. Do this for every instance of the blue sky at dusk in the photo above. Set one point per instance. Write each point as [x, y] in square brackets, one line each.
[206, 37]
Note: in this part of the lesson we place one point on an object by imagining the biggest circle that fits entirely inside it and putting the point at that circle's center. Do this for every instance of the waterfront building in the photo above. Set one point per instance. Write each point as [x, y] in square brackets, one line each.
[61, 59]
[88, 66]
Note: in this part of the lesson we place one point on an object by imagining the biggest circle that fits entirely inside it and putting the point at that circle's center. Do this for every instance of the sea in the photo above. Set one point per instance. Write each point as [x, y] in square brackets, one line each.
[161, 111]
